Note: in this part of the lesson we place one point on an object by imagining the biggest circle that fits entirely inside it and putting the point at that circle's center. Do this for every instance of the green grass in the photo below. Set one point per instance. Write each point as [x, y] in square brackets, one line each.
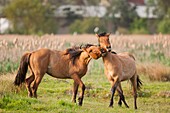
[54, 95]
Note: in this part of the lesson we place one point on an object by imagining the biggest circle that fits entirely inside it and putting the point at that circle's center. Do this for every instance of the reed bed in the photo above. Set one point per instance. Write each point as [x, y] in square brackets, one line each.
[146, 48]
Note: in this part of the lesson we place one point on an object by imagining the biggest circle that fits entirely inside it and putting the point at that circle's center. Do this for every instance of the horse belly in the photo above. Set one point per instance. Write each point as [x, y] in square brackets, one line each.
[58, 72]
[128, 73]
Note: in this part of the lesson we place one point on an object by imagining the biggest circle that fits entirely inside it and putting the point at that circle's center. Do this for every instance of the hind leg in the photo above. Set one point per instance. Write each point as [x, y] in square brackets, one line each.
[75, 90]
[122, 98]
[134, 84]
[36, 82]
[28, 82]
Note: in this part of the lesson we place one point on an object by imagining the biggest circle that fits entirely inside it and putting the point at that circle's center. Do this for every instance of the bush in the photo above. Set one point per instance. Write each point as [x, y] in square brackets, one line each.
[139, 26]
[87, 25]
[163, 26]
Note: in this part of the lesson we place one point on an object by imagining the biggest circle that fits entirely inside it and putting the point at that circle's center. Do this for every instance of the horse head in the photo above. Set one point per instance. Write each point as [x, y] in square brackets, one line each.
[93, 51]
[103, 40]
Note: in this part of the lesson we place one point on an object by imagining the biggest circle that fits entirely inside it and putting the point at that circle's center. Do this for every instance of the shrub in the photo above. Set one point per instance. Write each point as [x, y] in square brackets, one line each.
[139, 26]
[87, 25]
[163, 26]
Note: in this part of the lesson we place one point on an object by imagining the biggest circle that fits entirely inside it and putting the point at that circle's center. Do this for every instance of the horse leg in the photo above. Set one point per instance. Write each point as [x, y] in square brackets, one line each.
[75, 89]
[77, 79]
[36, 82]
[28, 82]
[120, 101]
[113, 89]
[120, 92]
[134, 84]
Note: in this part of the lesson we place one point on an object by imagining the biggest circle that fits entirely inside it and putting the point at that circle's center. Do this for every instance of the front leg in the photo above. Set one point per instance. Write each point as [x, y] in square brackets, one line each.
[113, 89]
[75, 90]
[122, 98]
[81, 84]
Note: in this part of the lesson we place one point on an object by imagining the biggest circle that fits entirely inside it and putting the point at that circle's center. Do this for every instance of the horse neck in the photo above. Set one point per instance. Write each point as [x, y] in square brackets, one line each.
[109, 58]
[84, 58]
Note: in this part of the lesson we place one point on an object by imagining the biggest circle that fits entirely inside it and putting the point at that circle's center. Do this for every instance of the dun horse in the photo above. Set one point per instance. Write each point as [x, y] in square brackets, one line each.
[69, 64]
[119, 67]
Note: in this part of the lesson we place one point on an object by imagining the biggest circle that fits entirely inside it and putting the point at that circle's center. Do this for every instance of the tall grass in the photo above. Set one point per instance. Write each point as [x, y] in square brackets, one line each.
[152, 49]
[8, 66]
[155, 71]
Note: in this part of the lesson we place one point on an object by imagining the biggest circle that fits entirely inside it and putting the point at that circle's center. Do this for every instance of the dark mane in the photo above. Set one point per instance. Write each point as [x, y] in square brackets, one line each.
[102, 34]
[87, 45]
[113, 52]
[75, 51]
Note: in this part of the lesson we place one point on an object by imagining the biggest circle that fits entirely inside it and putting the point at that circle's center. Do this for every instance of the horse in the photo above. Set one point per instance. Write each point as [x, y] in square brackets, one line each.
[71, 63]
[118, 68]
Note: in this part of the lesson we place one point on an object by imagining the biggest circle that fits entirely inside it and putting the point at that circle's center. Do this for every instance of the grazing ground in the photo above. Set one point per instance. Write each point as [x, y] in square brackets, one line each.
[152, 54]
[54, 95]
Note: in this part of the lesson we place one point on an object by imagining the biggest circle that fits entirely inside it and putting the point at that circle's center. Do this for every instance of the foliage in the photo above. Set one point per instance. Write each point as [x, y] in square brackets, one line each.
[87, 25]
[139, 26]
[121, 9]
[162, 8]
[30, 17]
[163, 26]
[8, 66]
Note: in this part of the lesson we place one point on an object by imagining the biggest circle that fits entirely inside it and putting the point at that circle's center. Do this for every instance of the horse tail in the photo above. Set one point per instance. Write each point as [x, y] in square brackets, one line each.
[21, 75]
[139, 83]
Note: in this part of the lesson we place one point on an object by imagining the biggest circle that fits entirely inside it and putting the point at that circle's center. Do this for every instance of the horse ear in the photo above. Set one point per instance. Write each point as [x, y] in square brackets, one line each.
[82, 47]
[97, 36]
[108, 34]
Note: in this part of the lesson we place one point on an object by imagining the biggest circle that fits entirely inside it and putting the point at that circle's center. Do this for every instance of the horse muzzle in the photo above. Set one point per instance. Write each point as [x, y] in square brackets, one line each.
[108, 48]
[103, 52]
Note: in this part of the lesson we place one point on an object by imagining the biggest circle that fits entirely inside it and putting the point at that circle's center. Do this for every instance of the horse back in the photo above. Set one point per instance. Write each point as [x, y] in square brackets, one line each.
[127, 55]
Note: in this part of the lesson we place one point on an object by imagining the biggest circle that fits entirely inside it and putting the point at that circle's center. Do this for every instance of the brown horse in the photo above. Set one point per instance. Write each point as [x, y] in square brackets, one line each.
[119, 67]
[69, 64]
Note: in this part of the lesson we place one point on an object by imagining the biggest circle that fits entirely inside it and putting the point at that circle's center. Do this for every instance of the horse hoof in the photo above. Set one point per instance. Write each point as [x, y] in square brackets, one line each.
[120, 104]
[127, 106]
[73, 101]
[80, 104]
[80, 101]
[110, 106]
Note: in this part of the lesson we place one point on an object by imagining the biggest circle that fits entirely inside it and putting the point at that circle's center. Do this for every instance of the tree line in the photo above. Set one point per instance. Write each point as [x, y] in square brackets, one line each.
[37, 17]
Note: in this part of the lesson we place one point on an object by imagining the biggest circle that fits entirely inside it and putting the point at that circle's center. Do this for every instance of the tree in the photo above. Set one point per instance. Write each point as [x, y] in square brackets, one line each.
[30, 17]
[163, 13]
[121, 13]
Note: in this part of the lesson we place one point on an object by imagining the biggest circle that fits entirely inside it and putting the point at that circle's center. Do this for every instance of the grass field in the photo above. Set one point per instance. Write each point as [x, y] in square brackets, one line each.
[54, 95]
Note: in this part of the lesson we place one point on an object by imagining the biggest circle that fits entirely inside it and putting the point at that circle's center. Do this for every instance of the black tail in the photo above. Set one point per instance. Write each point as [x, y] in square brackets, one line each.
[139, 83]
[20, 77]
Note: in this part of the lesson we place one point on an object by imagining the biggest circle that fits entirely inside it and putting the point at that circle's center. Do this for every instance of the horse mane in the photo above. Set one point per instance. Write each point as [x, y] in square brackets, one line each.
[113, 52]
[75, 51]
[102, 34]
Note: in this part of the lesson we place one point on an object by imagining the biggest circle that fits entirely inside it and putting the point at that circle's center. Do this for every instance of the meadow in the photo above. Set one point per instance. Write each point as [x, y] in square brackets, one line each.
[152, 54]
